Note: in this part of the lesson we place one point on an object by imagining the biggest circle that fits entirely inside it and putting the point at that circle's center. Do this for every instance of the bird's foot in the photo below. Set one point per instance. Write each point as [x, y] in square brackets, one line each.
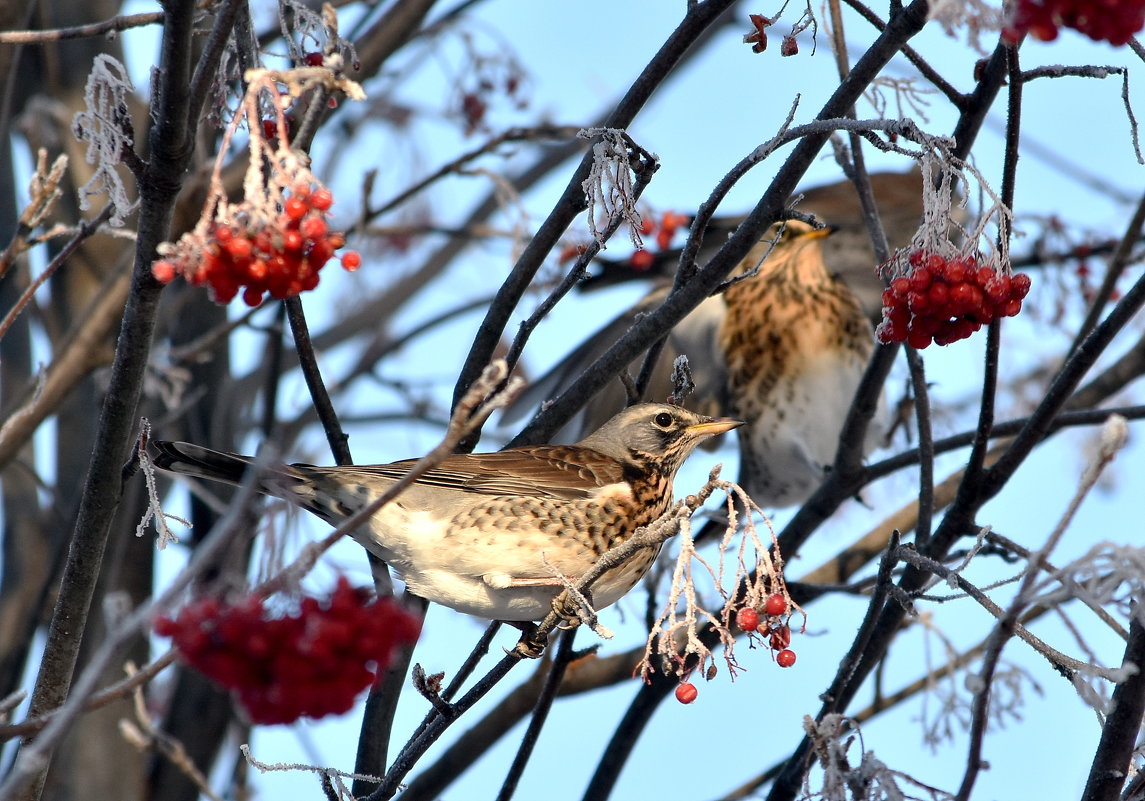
[532, 643]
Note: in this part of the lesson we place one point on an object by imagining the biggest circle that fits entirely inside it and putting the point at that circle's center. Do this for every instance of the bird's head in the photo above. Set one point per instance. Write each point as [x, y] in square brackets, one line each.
[656, 432]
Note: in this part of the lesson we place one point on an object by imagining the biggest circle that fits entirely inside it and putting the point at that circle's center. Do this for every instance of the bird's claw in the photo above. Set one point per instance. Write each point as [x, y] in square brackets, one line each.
[531, 645]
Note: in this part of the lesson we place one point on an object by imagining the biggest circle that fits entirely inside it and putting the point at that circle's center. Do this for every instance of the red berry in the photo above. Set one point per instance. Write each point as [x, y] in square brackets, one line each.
[313, 227]
[292, 241]
[351, 261]
[647, 226]
[775, 605]
[322, 199]
[785, 658]
[983, 275]
[686, 693]
[900, 286]
[1010, 308]
[918, 302]
[998, 288]
[939, 296]
[917, 339]
[747, 619]
[314, 59]
[1019, 285]
[164, 271]
[295, 208]
[920, 279]
[641, 260]
[935, 263]
[239, 249]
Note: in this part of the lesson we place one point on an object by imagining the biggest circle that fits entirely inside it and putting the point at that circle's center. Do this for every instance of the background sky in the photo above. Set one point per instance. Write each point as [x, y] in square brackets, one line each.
[580, 56]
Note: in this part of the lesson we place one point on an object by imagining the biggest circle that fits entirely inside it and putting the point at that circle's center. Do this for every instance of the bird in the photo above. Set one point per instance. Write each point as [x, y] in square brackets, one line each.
[782, 348]
[485, 534]
[795, 344]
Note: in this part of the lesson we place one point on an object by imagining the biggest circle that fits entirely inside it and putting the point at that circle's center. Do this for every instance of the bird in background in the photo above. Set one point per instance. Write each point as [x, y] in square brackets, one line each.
[484, 533]
[782, 348]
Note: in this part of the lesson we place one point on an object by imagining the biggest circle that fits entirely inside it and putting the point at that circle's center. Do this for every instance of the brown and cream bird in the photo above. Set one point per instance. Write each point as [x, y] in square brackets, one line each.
[783, 348]
[484, 533]
[794, 342]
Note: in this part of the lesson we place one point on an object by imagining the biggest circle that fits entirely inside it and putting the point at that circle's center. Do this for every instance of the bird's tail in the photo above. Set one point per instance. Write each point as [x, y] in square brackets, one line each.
[200, 462]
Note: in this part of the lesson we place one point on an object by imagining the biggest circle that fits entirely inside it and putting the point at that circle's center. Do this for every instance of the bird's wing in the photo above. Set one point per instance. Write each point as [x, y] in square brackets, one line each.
[547, 471]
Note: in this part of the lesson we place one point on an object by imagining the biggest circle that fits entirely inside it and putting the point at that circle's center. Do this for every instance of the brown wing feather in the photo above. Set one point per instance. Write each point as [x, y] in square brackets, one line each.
[546, 471]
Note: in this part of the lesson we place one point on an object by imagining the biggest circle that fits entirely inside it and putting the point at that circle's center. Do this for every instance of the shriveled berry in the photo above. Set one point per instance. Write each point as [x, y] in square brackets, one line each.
[780, 638]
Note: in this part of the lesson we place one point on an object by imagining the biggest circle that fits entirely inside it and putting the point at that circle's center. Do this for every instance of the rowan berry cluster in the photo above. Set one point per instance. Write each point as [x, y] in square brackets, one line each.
[772, 626]
[281, 257]
[311, 663]
[665, 231]
[1113, 21]
[771, 622]
[943, 300]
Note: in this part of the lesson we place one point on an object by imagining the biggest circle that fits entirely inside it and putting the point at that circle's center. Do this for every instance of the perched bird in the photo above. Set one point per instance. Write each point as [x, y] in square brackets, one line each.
[795, 343]
[484, 533]
[783, 348]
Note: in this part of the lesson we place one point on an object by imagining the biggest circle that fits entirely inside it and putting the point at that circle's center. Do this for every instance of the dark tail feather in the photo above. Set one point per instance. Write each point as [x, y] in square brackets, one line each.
[195, 460]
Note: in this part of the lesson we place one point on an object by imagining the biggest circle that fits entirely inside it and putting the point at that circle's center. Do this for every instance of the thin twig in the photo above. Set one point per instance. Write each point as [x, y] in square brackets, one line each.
[113, 25]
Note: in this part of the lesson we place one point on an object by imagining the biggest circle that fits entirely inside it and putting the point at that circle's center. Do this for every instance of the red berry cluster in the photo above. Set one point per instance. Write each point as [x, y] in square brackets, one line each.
[1113, 21]
[281, 258]
[665, 231]
[774, 628]
[312, 663]
[944, 300]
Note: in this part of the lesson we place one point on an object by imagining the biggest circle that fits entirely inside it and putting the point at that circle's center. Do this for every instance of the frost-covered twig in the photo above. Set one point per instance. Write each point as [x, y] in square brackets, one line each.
[335, 777]
[107, 128]
[610, 183]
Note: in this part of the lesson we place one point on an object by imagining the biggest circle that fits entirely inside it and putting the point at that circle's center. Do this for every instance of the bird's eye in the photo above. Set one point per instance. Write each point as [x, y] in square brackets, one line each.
[663, 420]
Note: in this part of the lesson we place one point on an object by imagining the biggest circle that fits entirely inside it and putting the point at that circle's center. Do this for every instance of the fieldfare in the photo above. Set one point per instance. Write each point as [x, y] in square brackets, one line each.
[484, 533]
